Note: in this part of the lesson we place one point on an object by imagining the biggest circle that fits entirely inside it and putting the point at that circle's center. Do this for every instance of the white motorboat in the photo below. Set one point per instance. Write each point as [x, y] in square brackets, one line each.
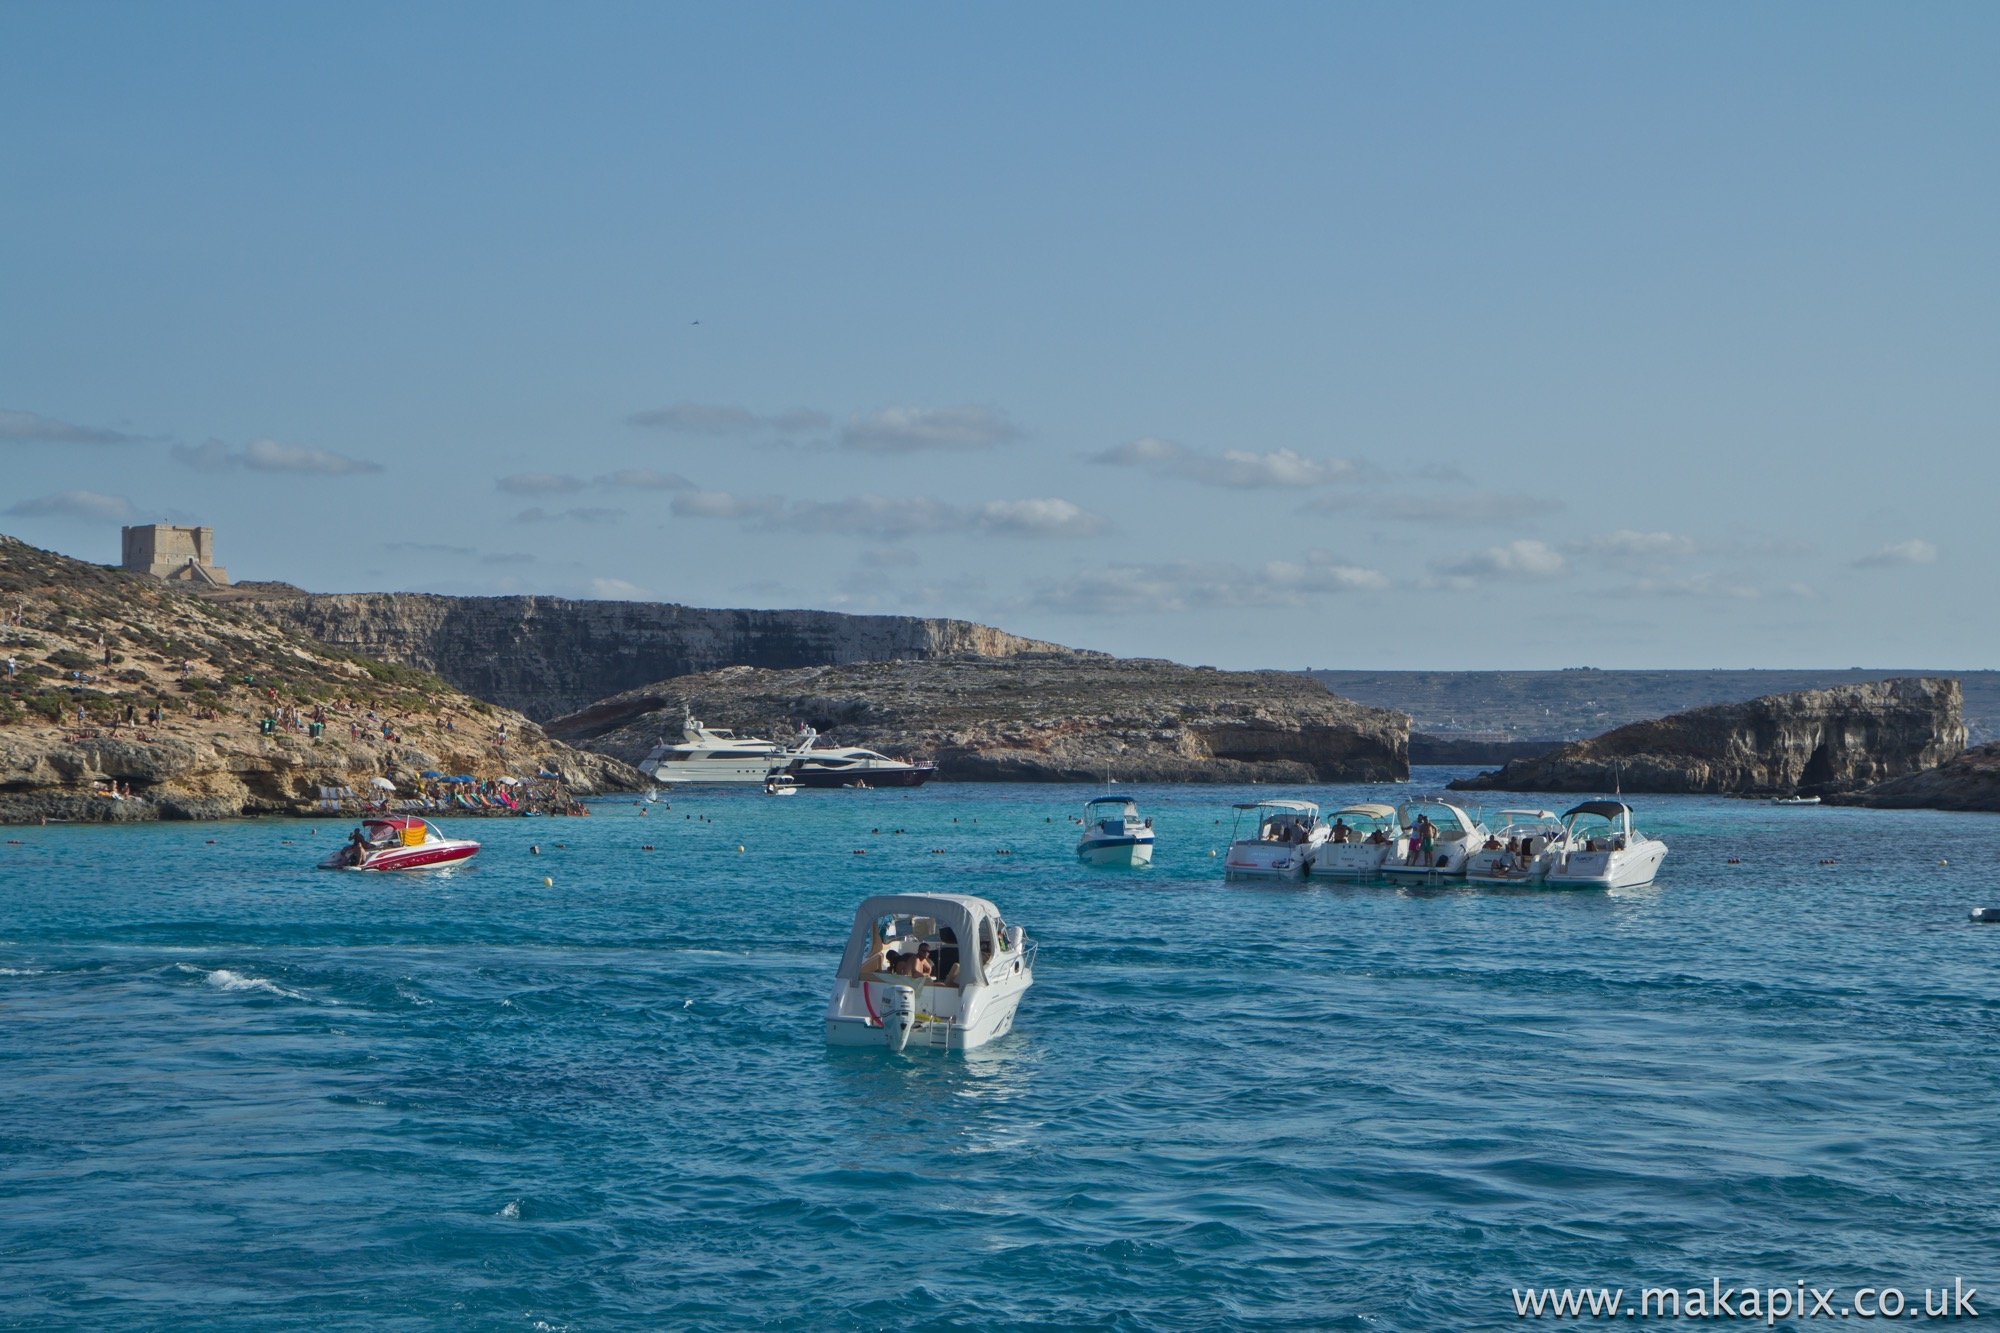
[1113, 834]
[714, 754]
[1795, 800]
[930, 971]
[1520, 851]
[1439, 837]
[1358, 839]
[1288, 833]
[1604, 851]
[780, 784]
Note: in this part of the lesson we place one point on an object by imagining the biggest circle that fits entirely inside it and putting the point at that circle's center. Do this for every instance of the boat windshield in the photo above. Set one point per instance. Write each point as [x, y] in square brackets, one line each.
[903, 945]
[1362, 820]
[1596, 833]
[1447, 819]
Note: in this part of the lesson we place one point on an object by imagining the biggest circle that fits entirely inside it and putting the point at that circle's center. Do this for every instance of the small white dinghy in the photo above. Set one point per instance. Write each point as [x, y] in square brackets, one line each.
[1795, 800]
[934, 971]
[780, 784]
[1113, 833]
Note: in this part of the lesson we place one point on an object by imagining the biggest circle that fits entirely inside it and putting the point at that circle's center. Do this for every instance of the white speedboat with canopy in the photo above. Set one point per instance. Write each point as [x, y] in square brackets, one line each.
[940, 971]
[1604, 851]
[1439, 837]
[1359, 839]
[1288, 833]
[1114, 834]
[1520, 850]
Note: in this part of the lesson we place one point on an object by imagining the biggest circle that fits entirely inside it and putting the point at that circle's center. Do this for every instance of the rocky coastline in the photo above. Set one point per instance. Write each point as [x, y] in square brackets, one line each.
[1967, 781]
[1806, 743]
[1030, 717]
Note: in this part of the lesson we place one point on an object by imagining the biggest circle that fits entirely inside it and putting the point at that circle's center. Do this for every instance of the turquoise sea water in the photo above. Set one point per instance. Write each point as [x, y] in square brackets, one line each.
[236, 1093]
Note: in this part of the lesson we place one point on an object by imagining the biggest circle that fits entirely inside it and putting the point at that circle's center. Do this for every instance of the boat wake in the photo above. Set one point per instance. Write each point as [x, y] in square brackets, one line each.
[224, 979]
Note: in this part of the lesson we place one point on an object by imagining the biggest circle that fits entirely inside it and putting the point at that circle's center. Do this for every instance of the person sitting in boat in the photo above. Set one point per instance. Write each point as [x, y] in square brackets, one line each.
[1376, 838]
[1493, 844]
[1339, 832]
[357, 848]
[923, 965]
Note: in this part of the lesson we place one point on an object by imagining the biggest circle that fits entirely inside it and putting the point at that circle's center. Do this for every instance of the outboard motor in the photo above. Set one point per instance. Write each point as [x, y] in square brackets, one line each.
[899, 1016]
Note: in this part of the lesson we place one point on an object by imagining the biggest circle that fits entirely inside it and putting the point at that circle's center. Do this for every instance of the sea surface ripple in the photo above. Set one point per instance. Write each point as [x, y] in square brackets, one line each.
[236, 1093]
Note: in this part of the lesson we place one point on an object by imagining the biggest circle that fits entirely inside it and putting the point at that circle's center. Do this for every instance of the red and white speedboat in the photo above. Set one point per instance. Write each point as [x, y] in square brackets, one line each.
[399, 843]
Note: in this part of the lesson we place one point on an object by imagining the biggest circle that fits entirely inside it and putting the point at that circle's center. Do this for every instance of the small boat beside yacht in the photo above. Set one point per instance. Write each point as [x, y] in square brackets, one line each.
[398, 843]
[933, 971]
[1439, 837]
[1359, 839]
[1114, 834]
[1603, 850]
[1520, 850]
[1288, 834]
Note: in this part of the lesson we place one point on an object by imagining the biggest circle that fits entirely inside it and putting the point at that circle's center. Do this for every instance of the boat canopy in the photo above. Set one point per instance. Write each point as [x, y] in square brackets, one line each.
[1303, 807]
[959, 913]
[1524, 816]
[1369, 810]
[1612, 810]
[1125, 801]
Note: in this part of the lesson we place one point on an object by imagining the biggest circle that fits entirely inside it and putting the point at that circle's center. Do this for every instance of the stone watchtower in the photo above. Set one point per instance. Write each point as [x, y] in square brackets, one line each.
[174, 553]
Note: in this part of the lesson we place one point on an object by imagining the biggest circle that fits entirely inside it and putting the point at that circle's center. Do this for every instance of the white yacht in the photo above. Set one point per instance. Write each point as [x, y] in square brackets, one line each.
[1453, 834]
[713, 754]
[1288, 833]
[1358, 840]
[1519, 851]
[1604, 851]
[934, 971]
[1113, 834]
[852, 766]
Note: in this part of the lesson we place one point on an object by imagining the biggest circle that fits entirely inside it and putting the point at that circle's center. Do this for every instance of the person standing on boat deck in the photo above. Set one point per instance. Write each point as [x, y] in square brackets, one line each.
[1423, 838]
[1339, 832]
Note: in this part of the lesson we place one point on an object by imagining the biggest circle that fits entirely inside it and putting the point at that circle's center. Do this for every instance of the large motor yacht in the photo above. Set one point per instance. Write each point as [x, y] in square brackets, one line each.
[852, 766]
[1604, 851]
[714, 754]
[1359, 839]
[929, 971]
[1453, 835]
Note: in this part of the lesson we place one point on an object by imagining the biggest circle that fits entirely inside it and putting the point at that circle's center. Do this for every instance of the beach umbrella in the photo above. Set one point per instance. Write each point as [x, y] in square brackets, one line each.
[382, 783]
[431, 773]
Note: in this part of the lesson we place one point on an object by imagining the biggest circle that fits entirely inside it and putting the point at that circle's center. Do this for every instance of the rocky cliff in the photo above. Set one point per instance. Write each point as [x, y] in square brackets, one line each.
[117, 678]
[1968, 781]
[546, 656]
[1031, 717]
[1812, 742]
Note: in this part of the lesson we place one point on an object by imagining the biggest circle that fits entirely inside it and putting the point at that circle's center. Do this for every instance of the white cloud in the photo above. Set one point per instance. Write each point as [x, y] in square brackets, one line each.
[723, 419]
[721, 504]
[618, 590]
[538, 483]
[1038, 518]
[270, 456]
[1138, 589]
[32, 427]
[1523, 559]
[1237, 469]
[76, 504]
[1898, 554]
[892, 517]
[1628, 545]
[645, 479]
[580, 515]
[902, 430]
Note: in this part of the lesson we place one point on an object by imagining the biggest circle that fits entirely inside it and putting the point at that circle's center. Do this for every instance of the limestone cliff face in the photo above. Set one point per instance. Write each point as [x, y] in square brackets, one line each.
[1031, 717]
[546, 656]
[1968, 781]
[1813, 742]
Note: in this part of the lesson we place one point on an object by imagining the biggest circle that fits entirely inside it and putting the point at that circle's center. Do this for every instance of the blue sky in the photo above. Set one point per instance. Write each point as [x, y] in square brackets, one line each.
[1371, 336]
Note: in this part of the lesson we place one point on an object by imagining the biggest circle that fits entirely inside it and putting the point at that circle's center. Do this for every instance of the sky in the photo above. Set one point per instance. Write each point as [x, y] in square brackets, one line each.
[1442, 336]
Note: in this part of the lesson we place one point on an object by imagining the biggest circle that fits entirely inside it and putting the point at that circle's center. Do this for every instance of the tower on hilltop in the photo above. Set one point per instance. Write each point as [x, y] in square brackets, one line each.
[174, 553]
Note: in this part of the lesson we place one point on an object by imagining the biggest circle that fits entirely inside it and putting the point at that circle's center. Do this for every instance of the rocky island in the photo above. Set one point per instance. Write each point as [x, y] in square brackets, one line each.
[1030, 717]
[127, 698]
[1809, 742]
[1967, 781]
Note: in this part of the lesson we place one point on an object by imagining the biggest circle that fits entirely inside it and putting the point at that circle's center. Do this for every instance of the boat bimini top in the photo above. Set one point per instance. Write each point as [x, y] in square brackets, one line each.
[950, 923]
[1276, 815]
[1616, 814]
[1448, 819]
[1366, 817]
[1127, 806]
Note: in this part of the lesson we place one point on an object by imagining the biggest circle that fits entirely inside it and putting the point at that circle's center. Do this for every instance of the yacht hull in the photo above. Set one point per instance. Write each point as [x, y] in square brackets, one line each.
[938, 1026]
[913, 775]
[1626, 869]
[1349, 860]
[1116, 851]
